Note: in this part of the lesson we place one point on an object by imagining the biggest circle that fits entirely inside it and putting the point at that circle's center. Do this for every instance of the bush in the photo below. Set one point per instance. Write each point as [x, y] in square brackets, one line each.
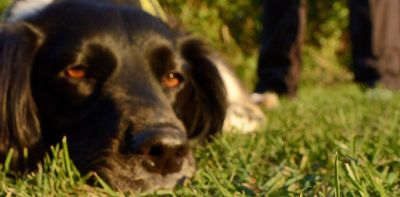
[234, 27]
[3, 5]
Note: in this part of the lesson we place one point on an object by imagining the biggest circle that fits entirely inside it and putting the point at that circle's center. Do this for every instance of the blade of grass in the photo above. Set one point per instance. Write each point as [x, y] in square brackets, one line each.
[376, 182]
[337, 177]
[221, 188]
[8, 160]
[67, 160]
[105, 186]
[351, 176]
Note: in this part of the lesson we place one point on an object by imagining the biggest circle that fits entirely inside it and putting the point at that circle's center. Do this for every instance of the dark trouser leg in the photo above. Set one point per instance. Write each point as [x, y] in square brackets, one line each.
[279, 61]
[364, 64]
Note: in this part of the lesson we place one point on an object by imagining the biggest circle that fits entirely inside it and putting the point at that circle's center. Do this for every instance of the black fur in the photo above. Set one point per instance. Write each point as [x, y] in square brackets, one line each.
[120, 119]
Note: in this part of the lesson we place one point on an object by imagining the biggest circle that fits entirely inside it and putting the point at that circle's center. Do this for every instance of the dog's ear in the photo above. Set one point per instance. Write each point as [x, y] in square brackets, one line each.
[19, 125]
[203, 100]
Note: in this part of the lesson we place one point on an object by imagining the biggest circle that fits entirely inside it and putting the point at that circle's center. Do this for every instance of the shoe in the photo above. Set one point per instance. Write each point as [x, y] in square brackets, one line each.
[269, 100]
[378, 93]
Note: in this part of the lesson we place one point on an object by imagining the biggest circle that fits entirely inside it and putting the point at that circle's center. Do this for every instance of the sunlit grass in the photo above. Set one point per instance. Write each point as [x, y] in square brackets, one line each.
[332, 140]
[329, 140]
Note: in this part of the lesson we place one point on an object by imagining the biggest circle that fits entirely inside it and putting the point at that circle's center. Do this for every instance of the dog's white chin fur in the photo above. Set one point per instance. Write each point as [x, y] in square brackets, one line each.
[242, 115]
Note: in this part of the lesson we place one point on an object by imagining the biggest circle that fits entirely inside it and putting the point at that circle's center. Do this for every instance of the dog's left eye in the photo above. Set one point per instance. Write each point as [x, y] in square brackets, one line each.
[76, 72]
[172, 80]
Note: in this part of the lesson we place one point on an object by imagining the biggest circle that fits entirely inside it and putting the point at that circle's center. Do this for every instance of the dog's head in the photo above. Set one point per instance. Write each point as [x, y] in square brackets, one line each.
[128, 93]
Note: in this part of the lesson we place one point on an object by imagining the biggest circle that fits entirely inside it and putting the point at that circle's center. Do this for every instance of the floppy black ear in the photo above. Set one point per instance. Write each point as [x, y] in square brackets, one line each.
[203, 101]
[19, 125]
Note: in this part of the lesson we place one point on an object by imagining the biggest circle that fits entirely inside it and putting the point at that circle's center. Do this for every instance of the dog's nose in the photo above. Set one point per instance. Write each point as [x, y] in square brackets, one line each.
[163, 149]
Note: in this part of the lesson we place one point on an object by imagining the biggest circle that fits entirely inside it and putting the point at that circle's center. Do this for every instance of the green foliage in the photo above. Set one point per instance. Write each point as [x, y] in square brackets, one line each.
[326, 20]
[234, 27]
[327, 48]
[3, 5]
[231, 27]
[226, 21]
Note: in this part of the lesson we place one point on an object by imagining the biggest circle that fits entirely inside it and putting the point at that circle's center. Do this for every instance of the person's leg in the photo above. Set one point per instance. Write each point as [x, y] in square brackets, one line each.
[279, 61]
[364, 63]
[385, 17]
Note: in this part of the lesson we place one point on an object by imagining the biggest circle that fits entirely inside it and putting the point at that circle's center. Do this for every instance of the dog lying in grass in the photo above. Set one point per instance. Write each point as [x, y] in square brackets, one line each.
[129, 93]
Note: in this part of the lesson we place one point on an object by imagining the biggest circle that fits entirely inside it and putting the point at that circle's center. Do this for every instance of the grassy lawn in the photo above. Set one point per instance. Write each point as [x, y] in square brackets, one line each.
[333, 139]
[330, 139]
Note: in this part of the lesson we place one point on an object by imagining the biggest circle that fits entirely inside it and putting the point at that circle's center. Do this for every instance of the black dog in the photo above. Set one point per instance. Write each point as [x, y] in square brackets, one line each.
[128, 93]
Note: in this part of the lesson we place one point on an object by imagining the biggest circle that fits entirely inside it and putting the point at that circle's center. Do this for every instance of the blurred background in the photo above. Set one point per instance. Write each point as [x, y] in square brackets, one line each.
[233, 28]
[3, 4]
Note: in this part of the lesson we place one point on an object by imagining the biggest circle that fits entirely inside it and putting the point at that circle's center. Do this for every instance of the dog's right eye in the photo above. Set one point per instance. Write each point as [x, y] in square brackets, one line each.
[172, 80]
[76, 72]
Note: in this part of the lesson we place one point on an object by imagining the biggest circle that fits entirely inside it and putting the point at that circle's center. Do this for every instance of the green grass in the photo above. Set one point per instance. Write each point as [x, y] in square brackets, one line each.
[296, 154]
[333, 140]
[330, 139]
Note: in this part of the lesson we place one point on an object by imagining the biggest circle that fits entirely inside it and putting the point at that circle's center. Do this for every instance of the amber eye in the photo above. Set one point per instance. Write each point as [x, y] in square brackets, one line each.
[172, 80]
[76, 72]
